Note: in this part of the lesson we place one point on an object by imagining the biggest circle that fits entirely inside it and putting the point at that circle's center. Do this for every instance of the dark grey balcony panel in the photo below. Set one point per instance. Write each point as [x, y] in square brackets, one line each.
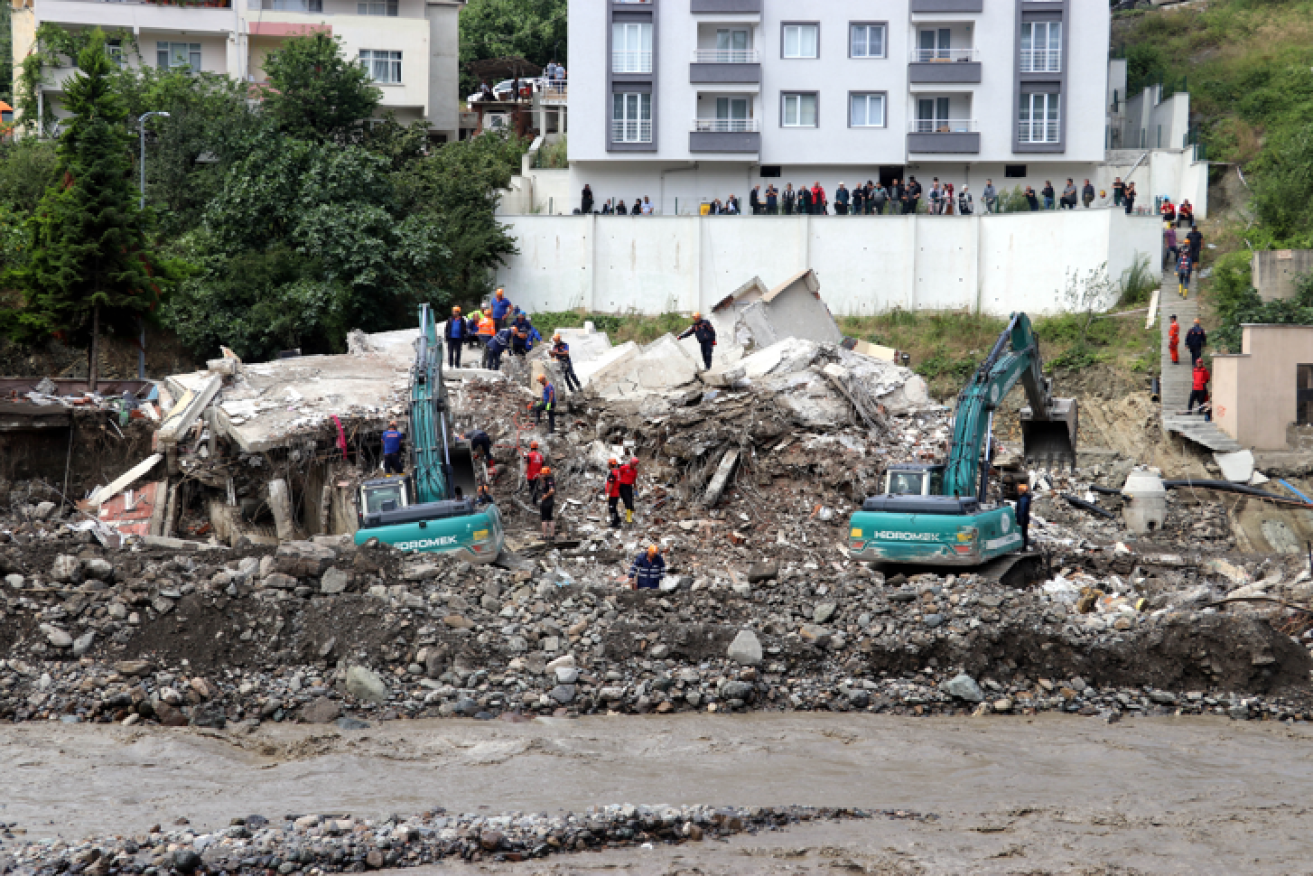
[727, 6]
[959, 142]
[943, 71]
[714, 141]
[947, 5]
[730, 73]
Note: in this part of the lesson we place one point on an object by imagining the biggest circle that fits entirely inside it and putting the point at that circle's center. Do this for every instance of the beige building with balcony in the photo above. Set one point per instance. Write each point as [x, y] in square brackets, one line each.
[410, 46]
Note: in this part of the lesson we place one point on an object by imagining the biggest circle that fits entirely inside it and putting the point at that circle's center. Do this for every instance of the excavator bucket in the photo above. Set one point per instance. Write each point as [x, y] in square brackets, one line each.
[1050, 441]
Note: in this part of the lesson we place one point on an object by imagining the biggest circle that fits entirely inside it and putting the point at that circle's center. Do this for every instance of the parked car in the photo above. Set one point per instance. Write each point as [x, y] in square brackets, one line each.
[505, 90]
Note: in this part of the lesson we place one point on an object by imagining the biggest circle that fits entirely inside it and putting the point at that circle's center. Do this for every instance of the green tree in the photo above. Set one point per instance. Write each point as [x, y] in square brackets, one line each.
[305, 241]
[188, 152]
[456, 191]
[1283, 187]
[90, 257]
[27, 168]
[533, 29]
[316, 92]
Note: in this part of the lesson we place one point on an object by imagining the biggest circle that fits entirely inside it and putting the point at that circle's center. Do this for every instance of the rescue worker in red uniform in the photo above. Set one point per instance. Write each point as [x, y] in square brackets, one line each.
[533, 469]
[612, 492]
[628, 477]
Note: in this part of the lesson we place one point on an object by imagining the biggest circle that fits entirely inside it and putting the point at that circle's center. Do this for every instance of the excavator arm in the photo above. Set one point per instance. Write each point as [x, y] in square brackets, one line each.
[429, 416]
[1048, 424]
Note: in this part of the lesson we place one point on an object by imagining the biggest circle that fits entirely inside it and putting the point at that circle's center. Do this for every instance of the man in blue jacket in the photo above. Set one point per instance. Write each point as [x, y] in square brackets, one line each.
[647, 570]
[454, 334]
[501, 305]
[392, 449]
[548, 405]
[498, 344]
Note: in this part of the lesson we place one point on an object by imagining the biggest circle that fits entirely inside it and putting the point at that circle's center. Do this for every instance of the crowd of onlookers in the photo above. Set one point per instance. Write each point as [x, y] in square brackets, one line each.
[898, 197]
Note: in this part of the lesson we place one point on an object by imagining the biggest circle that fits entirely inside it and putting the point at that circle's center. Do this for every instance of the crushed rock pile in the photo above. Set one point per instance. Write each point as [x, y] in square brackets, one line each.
[335, 844]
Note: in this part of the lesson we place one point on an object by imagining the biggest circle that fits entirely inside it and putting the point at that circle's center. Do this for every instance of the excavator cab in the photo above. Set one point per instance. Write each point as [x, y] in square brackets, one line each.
[914, 480]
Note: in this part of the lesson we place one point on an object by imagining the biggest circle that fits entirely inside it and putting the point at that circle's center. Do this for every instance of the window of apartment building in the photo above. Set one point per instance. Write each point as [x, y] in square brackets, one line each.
[1041, 47]
[802, 40]
[377, 7]
[178, 56]
[733, 114]
[799, 111]
[383, 66]
[934, 44]
[932, 115]
[631, 118]
[733, 45]
[866, 41]
[1038, 122]
[866, 110]
[1014, 171]
[114, 48]
[631, 47]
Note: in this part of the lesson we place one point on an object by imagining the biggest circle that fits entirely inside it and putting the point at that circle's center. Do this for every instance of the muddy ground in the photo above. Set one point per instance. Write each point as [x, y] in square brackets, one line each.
[996, 795]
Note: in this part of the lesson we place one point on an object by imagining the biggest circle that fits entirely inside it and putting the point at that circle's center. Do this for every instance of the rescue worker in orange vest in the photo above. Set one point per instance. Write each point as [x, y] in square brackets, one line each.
[628, 477]
[1174, 339]
[533, 461]
[612, 492]
[487, 328]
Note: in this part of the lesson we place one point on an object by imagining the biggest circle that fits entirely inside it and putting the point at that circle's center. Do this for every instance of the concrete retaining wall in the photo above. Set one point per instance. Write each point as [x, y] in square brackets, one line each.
[867, 265]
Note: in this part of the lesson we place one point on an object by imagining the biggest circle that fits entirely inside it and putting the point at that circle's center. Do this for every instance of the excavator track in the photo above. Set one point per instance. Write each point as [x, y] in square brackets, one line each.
[1018, 570]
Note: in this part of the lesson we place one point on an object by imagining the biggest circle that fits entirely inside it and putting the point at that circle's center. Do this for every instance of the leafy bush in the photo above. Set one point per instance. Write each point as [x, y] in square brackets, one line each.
[1137, 282]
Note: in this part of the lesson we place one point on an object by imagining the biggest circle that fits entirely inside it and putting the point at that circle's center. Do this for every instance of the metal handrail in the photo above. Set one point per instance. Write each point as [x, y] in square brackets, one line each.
[1041, 60]
[726, 126]
[726, 56]
[631, 131]
[1038, 132]
[942, 126]
[631, 62]
[943, 56]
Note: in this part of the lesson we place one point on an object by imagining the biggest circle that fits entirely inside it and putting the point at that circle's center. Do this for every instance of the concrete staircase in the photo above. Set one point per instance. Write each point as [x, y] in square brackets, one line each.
[1176, 379]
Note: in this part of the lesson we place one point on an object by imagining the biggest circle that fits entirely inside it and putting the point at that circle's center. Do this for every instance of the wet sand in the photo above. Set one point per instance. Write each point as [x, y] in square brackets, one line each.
[1013, 795]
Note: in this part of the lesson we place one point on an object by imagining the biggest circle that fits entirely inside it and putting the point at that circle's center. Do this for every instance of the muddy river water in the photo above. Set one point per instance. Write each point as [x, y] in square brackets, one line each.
[1051, 794]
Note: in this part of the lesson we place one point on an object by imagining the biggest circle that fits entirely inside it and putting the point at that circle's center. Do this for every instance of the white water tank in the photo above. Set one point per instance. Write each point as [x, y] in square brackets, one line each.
[1145, 506]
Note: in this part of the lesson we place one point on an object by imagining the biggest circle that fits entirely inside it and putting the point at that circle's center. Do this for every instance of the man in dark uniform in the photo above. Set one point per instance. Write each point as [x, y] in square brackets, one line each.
[392, 449]
[547, 504]
[1023, 514]
[706, 335]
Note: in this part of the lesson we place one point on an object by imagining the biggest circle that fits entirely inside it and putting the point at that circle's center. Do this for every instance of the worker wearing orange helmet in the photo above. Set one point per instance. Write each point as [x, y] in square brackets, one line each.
[612, 491]
[547, 504]
[533, 466]
[628, 475]
[487, 328]
[647, 570]
[454, 334]
[705, 332]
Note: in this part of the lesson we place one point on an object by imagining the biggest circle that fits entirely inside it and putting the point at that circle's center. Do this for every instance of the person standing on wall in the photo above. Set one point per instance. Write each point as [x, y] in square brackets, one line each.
[1118, 192]
[913, 195]
[754, 200]
[1087, 194]
[1032, 200]
[819, 204]
[772, 199]
[876, 198]
[1069, 195]
[392, 439]
[965, 207]
[859, 199]
[1195, 339]
[841, 200]
[705, 333]
[804, 199]
[454, 334]
[586, 202]
[790, 198]
[1128, 196]
[990, 197]
[1047, 193]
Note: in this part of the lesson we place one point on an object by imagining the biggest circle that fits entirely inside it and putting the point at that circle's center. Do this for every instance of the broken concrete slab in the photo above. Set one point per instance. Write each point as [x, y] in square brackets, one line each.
[280, 504]
[720, 480]
[193, 399]
[127, 479]
[1237, 466]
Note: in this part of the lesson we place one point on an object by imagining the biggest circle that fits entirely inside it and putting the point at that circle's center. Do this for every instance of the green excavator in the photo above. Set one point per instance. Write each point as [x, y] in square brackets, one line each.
[939, 514]
[432, 508]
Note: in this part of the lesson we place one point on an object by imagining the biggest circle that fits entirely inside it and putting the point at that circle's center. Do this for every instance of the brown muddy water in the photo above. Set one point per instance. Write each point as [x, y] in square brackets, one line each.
[1050, 794]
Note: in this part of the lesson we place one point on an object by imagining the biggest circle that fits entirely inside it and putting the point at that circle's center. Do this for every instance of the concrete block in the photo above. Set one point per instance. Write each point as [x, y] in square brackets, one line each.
[127, 479]
[601, 371]
[280, 503]
[1237, 467]
[189, 407]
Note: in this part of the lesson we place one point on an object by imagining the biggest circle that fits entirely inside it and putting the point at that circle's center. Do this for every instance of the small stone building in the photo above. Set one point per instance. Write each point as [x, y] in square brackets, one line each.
[1263, 396]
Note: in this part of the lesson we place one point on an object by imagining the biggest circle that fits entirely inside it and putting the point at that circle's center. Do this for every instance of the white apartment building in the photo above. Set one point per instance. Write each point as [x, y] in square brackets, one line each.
[410, 46]
[687, 100]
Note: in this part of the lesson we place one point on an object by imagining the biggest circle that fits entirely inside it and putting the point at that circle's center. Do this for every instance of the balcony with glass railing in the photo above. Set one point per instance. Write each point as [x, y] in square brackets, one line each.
[631, 130]
[724, 66]
[937, 135]
[631, 62]
[943, 65]
[725, 135]
[1041, 60]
